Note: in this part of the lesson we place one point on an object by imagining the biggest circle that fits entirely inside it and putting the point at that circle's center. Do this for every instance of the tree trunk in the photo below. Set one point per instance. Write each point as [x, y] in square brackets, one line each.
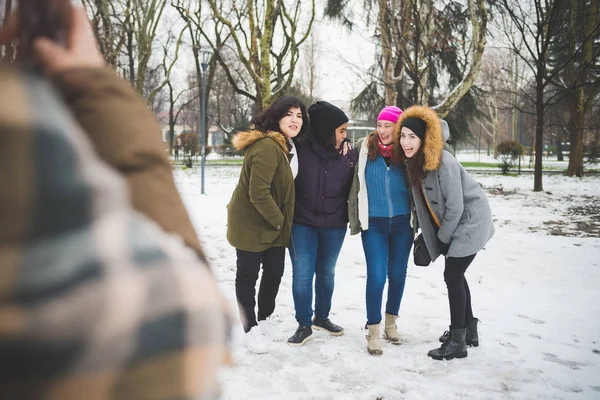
[8, 49]
[577, 104]
[559, 153]
[539, 130]
[576, 122]
[131, 58]
[386, 50]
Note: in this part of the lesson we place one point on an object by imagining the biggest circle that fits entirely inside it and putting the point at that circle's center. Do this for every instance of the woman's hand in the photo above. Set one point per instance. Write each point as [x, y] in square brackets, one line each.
[345, 148]
[444, 247]
[81, 49]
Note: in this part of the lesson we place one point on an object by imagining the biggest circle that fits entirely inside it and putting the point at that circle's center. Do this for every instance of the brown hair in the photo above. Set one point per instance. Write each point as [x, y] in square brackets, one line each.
[371, 142]
[42, 18]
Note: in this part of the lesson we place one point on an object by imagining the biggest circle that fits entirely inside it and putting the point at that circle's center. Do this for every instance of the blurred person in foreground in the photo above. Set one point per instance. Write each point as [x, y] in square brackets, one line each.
[97, 300]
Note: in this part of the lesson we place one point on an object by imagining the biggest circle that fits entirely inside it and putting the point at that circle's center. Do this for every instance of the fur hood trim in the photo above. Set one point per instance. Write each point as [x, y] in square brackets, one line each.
[242, 140]
[434, 141]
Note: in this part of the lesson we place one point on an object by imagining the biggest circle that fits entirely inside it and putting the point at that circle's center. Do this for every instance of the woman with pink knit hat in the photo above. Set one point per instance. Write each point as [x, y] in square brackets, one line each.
[379, 208]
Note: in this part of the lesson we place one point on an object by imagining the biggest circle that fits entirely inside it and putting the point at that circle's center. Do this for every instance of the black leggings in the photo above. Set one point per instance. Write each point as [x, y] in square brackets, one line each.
[459, 295]
[248, 267]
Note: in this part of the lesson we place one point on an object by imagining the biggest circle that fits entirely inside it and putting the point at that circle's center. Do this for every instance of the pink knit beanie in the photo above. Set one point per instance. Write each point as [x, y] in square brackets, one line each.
[390, 113]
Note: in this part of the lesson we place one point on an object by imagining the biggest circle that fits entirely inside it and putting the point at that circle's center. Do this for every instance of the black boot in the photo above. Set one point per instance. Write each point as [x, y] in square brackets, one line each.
[302, 335]
[472, 336]
[445, 336]
[454, 347]
[327, 325]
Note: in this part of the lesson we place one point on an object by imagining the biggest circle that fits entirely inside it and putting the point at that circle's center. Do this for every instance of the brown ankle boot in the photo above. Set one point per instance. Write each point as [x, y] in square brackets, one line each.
[391, 331]
[374, 340]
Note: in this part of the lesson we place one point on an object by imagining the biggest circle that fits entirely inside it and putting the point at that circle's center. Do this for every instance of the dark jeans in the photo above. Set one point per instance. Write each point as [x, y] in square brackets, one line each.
[387, 245]
[314, 253]
[459, 295]
[248, 267]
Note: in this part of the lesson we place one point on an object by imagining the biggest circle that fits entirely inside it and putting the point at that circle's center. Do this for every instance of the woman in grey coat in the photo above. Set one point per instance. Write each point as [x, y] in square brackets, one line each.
[454, 216]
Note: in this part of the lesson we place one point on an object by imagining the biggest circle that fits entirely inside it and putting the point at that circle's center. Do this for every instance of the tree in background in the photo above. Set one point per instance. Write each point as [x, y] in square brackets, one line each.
[559, 46]
[309, 68]
[253, 26]
[536, 24]
[576, 44]
[126, 31]
[430, 53]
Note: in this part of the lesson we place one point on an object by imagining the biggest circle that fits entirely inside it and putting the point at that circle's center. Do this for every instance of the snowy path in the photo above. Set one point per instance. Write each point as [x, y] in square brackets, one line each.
[536, 293]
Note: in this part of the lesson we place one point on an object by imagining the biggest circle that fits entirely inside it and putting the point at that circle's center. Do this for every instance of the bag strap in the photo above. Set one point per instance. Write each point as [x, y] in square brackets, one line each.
[430, 210]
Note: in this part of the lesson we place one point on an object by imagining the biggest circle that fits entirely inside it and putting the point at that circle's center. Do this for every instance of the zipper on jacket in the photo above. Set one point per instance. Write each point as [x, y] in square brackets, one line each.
[387, 190]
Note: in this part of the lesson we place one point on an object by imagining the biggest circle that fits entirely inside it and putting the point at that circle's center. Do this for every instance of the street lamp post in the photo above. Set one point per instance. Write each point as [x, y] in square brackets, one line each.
[205, 54]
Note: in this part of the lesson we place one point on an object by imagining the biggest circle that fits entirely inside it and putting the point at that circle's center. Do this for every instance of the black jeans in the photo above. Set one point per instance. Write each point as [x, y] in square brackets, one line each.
[459, 295]
[248, 267]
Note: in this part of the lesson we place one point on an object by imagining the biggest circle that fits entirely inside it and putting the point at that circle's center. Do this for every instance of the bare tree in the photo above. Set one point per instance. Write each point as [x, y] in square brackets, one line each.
[109, 19]
[147, 16]
[536, 25]
[558, 49]
[309, 72]
[415, 39]
[126, 31]
[581, 83]
[252, 26]
[167, 67]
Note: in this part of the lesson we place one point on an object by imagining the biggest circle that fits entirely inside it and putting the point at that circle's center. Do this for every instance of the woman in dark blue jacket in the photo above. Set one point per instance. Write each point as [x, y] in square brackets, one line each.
[325, 169]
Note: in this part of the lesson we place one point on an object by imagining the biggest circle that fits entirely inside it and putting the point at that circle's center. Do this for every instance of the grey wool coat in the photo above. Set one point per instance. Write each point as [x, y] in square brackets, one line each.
[457, 201]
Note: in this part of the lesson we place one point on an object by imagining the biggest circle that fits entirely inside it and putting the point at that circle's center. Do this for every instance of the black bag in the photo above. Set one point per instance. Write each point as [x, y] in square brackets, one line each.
[420, 252]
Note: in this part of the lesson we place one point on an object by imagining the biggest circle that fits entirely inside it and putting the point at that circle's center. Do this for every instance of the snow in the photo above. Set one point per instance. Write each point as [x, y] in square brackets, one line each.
[534, 288]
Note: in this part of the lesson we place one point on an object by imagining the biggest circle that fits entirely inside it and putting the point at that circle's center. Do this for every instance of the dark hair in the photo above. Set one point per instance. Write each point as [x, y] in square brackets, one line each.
[269, 119]
[414, 166]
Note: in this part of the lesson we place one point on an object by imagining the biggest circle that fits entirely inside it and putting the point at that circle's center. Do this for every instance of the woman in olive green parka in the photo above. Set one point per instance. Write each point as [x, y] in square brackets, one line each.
[260, 213]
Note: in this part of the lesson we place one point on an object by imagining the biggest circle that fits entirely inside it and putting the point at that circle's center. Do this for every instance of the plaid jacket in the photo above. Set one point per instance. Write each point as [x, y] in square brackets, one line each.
[96, 300]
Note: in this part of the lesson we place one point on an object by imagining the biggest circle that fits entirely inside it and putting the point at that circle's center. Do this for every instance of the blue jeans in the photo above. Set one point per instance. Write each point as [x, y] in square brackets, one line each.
[314, 252]
[387, 245]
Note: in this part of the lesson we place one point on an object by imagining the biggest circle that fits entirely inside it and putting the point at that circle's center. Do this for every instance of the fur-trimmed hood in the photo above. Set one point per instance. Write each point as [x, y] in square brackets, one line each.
[244, 139]
[434, 138]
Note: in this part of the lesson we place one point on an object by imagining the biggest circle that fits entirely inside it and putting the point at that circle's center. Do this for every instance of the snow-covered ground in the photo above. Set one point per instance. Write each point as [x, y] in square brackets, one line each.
[535, 288]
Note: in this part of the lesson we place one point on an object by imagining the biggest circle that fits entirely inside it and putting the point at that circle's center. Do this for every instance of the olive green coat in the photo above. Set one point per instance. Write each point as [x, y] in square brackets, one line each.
[261, 209]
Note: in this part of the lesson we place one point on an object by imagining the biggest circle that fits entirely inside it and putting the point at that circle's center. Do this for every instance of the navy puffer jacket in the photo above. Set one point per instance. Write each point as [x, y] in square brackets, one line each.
[322, 185]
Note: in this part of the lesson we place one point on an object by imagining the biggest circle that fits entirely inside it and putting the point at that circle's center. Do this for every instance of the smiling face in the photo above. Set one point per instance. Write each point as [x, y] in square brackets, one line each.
[385, 130]
[341, 133]
[291, 123]
[410, 142]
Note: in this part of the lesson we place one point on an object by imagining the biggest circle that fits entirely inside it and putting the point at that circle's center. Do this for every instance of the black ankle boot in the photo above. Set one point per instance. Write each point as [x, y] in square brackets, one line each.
[454, 347]
[472, 336]
[445, 336]
[302, 335]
